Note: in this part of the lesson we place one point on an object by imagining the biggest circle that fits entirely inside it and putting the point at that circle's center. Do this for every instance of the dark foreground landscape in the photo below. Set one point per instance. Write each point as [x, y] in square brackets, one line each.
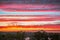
[38, 35]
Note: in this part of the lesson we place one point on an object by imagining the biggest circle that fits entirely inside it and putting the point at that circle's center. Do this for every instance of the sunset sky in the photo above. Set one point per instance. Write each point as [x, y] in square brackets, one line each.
[26, 16]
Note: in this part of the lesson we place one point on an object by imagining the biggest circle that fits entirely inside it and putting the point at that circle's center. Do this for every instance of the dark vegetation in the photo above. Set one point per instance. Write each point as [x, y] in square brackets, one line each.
[39, 35]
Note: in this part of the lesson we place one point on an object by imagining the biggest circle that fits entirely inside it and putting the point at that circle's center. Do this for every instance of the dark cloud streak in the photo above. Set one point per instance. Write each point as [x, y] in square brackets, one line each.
[33, 1]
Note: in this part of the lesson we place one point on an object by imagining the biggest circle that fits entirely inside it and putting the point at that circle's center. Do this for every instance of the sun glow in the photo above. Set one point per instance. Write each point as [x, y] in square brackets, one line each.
[15, 29]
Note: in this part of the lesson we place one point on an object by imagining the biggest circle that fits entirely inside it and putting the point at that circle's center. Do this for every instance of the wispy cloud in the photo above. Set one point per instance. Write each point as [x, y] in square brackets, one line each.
[28, 23]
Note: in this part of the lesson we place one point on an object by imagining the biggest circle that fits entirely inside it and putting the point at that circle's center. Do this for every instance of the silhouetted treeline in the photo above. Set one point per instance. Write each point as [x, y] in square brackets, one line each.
[39, 35]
